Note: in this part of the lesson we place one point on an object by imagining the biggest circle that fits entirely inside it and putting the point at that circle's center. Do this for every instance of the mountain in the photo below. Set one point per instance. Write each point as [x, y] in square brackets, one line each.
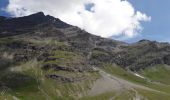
[42, 57]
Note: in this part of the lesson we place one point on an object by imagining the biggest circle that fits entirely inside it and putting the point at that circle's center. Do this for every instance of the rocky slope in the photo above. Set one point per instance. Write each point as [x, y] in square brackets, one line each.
[43, 57]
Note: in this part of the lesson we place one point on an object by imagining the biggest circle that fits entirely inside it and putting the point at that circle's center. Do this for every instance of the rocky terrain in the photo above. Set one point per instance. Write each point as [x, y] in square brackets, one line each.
[44, 57]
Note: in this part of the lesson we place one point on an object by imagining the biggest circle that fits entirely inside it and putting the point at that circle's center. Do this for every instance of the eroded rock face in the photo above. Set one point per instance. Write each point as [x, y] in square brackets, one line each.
[70, 68]
[144, 54]
[58, 68]
[2, 18]
[167, 59]
[65, 79]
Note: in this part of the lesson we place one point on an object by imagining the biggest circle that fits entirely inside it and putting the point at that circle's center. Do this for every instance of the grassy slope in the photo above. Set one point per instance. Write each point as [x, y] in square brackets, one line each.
[150, 95]
[39, 86]
[119, 72]
[159, 73]
[45, 88]
[125, 95]
[51, 89]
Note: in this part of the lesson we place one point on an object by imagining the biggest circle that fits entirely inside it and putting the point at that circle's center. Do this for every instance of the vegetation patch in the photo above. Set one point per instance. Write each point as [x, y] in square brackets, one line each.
[159, 73]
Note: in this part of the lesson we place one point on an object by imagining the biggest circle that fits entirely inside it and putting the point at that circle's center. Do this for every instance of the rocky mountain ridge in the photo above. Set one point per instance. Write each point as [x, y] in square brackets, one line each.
[39, 26]
[40, 50]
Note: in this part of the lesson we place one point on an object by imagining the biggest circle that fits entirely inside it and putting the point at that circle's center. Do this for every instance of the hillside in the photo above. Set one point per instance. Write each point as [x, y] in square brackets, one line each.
[42, 57]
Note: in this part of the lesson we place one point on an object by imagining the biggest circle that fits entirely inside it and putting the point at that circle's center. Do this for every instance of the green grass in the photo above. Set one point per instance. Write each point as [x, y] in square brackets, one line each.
[64, 57]
[97, 53]
[150, 95]
[6, 96]
[9, 40]
[119, 72]
[4, 40]
[5, 63]
[104, 96]
[159, 73]
[20, 86]
[44, 88]
[52, 89]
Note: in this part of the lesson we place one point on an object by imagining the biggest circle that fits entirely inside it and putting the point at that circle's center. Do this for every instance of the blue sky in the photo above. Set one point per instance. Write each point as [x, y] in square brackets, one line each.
[3, 4]
[157, 29]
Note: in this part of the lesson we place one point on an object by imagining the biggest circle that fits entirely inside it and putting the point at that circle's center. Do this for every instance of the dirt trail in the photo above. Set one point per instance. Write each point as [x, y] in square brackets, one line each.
[108, 83]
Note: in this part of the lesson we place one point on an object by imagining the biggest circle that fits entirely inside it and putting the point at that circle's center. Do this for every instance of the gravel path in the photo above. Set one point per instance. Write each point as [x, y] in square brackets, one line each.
[108, 83]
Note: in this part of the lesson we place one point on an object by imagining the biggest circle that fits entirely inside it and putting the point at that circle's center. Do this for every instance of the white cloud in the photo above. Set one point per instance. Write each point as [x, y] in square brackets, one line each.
[107, 18]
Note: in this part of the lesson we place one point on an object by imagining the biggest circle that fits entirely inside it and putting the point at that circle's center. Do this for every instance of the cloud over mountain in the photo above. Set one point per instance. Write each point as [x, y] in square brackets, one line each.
[104, 18]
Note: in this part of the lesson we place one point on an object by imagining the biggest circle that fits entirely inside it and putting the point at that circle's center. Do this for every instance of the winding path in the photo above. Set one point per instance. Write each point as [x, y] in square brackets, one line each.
[109, 83]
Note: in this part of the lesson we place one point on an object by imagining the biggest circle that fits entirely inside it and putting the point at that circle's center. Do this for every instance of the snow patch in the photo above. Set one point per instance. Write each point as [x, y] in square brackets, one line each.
[136, 74]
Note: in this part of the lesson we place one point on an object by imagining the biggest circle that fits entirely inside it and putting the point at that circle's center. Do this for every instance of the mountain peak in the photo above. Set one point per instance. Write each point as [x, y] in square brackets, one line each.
[144, 40]
[29, 22]
[38, 14]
